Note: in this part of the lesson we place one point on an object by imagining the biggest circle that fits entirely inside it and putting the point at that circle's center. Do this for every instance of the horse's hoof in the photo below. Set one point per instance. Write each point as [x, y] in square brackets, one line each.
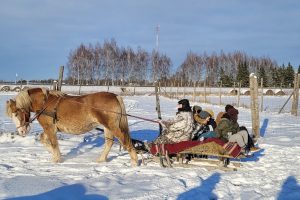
[101, 160]
[57, 160]
[134, 164]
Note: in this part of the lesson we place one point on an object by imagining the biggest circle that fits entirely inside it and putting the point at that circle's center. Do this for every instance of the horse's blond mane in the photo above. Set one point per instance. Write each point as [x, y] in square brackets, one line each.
[23, 100]
[8, 109]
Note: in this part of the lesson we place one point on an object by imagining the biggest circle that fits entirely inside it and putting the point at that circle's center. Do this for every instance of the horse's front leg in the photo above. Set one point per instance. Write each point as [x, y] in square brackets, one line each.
[49, 140]
[45, 141]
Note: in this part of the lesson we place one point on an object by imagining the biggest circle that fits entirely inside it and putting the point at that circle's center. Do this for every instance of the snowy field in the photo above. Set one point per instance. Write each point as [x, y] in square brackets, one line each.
[27, 173]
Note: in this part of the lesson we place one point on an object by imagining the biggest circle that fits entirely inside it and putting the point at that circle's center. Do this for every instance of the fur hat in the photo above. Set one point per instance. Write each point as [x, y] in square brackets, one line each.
[211, 112]
[185, 105]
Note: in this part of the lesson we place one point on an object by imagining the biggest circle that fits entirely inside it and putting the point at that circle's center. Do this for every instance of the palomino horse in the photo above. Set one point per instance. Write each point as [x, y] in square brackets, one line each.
[56, 111]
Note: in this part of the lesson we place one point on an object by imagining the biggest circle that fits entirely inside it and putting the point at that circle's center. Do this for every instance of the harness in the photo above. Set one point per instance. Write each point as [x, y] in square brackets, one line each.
[49, 113]
[53, 114]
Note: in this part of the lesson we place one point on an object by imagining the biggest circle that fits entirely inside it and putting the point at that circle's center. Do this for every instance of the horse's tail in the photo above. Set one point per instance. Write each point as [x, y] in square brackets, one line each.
[123, 120]
[127, 143]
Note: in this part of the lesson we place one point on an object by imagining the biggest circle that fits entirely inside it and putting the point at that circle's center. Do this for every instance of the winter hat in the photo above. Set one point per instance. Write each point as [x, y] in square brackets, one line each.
[197, 109]
[232, 112]
[204, 114]
[227, 107]
[185, 105]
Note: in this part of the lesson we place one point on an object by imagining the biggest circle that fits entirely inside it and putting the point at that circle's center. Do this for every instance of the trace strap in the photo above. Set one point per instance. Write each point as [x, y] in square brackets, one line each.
[150, 120]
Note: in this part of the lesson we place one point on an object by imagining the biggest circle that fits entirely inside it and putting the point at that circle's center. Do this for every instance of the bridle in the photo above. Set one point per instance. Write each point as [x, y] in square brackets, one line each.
[26, 115]
[23, 116]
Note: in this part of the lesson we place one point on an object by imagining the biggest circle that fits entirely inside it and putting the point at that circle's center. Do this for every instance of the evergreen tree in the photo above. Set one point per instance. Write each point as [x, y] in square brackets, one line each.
[281, 75]
[299, 69]
[273, 77]
[227, 81]
[276, 81]
[289, 76]
[262, 75]
[243, 74]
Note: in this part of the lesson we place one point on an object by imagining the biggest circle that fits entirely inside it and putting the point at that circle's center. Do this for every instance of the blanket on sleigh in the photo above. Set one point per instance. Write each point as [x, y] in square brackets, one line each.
[232, 149]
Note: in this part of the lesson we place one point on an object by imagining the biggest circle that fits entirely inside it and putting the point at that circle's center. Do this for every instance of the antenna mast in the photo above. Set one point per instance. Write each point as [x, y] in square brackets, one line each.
[157, 38]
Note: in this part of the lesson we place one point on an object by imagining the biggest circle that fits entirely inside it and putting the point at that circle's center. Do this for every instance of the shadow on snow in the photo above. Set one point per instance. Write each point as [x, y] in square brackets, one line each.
[74, 192]
[204, 191]
[263, 128]
[91, 140]
[146, 134]
[290, 189]
[94, 140]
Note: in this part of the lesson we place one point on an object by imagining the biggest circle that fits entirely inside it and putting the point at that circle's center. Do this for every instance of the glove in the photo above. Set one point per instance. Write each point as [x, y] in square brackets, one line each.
[162, 123]
[229, 134]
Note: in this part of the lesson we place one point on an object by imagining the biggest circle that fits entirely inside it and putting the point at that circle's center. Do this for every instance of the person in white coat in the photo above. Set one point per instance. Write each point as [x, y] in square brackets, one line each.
[180, 128]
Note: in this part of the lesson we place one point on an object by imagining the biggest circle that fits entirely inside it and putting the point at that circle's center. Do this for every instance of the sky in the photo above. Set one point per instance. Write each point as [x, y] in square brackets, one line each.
[38, 35]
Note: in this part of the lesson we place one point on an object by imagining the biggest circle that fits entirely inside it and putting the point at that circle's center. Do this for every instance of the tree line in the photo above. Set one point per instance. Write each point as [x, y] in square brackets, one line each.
[110, 64]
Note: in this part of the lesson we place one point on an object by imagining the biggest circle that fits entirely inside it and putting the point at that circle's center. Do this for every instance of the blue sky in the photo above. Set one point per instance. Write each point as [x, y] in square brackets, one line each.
[36, 36]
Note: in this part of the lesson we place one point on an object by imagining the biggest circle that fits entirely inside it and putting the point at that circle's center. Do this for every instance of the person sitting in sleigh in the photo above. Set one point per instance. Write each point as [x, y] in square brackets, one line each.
[179, 128]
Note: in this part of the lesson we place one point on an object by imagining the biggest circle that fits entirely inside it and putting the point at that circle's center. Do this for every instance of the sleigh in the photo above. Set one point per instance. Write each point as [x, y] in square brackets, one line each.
[212, 150]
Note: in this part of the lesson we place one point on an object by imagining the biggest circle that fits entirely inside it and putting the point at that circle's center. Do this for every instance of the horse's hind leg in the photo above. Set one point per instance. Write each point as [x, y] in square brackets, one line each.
[127, 144]
[133, 155]
[109, 140]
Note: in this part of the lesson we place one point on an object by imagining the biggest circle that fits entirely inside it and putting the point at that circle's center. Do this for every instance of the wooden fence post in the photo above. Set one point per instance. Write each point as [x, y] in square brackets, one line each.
[170, 90]
[205, 91]
[239, 94]
[233, 86]
[177, 90]
[60, 78]
[165, 88]
[262, 95]
[79, 89]
[254, 106]
[54, 85]
[220, 94]
[295, 102]
[158, 105]
[194, 92]
[183, 89]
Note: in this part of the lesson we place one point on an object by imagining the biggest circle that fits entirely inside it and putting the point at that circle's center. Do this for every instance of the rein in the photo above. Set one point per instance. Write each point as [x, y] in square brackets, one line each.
[142, 118]
[38, 113]
[125, 114]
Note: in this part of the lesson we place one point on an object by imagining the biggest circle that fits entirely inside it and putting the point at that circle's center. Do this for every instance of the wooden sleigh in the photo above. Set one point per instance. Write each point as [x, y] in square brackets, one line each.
[213, 151]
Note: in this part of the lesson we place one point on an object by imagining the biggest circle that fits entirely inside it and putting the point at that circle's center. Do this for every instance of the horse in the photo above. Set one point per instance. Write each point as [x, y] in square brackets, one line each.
[58, 112]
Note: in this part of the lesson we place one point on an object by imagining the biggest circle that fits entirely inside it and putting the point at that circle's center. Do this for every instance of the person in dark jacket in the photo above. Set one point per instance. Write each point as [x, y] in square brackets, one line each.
[228, 129]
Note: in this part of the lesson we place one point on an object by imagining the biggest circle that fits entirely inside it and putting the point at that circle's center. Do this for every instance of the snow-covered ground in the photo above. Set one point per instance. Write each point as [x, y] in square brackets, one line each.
[26, 171]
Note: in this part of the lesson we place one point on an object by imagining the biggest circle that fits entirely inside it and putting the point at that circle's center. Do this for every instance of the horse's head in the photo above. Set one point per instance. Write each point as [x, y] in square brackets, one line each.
[19, 116]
